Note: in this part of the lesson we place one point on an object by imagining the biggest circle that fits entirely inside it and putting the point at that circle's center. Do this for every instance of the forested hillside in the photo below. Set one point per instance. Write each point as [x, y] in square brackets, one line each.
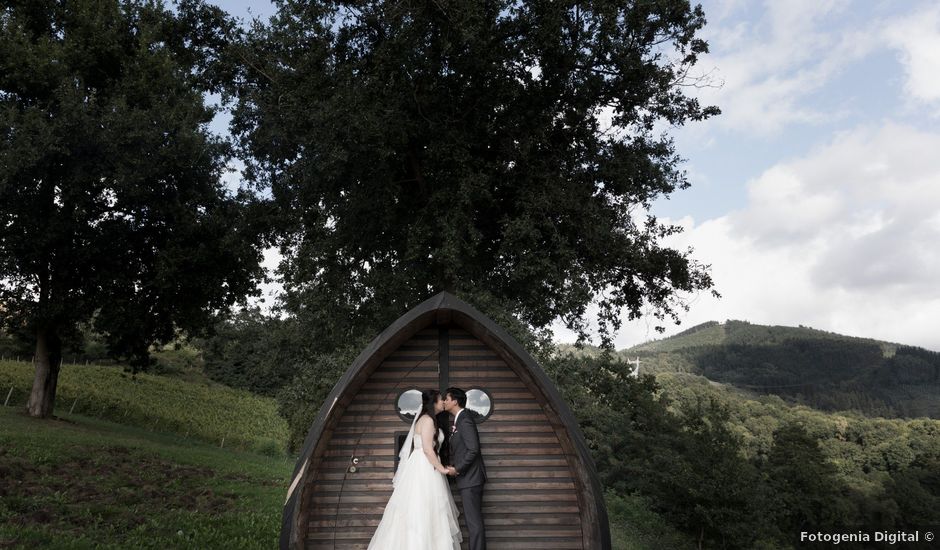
[737, 471]
[806, 366]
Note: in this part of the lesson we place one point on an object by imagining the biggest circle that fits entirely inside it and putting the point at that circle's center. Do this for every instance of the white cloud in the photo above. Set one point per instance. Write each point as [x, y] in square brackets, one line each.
[918, 38]
[771, 67]
[843, 239]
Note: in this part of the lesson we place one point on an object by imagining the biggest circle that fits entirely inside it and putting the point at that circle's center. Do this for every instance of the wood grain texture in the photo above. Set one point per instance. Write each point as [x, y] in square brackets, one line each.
[529, 499]
[542, 490]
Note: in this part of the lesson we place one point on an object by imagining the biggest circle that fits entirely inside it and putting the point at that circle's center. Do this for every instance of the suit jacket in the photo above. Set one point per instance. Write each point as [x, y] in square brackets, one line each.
[465, 452]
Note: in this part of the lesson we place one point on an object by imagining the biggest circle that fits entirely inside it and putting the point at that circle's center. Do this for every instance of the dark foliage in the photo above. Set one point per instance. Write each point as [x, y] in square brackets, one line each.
[688, 465]
[459, 145]
[111, 199]
[252, 351]
[736, 474]
[301, 399]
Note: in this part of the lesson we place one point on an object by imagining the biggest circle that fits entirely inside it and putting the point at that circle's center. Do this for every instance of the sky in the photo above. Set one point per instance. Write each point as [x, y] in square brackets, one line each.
[815, 195]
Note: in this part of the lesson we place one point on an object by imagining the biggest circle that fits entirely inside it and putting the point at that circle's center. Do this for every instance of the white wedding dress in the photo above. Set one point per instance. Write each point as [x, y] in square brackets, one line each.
[421, 514]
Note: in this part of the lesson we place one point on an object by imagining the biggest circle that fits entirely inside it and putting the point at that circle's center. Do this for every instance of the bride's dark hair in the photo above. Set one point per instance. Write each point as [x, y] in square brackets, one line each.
[428, 399]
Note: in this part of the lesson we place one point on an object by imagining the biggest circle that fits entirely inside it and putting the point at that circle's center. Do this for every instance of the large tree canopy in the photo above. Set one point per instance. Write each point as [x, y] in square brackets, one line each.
[112, 205]
[498, 148]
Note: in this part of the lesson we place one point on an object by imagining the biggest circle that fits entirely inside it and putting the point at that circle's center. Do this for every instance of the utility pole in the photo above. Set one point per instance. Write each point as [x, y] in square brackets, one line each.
[635, 372]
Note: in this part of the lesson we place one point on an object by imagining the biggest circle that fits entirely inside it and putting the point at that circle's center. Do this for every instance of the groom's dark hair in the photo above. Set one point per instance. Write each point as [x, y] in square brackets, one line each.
[458, 395]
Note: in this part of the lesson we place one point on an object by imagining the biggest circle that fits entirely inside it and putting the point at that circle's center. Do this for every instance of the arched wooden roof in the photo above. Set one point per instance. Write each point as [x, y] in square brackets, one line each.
[444, 308]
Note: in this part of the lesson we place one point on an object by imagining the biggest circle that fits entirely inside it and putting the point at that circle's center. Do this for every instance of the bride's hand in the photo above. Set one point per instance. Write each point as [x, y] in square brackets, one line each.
[442, 470]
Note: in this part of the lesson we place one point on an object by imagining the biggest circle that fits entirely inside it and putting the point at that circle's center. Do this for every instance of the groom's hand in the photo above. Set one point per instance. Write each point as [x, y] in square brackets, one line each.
[451, 471]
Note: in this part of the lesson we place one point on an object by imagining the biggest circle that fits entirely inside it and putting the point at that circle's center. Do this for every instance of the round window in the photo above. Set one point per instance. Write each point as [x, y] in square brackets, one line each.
[409, 403]
[480, 402]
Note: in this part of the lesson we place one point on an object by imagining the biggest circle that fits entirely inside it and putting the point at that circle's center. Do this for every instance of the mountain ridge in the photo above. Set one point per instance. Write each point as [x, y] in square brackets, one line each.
[738, 331]
[802, 365]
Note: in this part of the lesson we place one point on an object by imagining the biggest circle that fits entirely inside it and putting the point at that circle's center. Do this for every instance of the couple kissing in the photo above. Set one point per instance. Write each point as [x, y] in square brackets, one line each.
[421, 513]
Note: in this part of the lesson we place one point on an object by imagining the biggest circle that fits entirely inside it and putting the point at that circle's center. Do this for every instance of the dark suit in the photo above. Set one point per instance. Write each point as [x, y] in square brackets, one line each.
[471, 475]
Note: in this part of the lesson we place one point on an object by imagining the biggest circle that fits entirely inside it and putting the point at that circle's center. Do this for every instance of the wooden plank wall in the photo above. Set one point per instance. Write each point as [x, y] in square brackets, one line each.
[530, 500]
[347, 507]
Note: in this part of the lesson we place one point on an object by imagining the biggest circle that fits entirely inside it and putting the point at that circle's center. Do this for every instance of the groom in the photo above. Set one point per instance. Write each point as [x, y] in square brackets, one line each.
[467, 465]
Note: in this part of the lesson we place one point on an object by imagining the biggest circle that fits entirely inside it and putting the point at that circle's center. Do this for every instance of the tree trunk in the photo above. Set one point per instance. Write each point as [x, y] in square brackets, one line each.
[48, 361]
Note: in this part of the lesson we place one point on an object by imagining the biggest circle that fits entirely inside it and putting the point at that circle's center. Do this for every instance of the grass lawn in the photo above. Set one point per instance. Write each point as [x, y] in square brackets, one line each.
[199, 408]
[78, 482]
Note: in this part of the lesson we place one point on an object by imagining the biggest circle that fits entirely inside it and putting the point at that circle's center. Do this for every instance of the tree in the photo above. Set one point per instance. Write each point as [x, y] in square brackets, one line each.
[707, 485]
[687, 466]
[504, 151]
[112, 206]
[617, 413]
[803, 492]
[252, 351]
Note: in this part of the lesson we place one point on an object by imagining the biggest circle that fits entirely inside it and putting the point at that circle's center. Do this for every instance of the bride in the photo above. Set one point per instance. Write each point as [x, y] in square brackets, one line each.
[421, 514]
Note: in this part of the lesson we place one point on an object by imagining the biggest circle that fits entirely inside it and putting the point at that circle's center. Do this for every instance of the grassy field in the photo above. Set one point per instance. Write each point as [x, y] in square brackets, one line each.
[78, 482]
[199, 409]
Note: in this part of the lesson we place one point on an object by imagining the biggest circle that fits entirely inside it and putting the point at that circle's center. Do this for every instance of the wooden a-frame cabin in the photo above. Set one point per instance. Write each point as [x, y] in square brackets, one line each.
[543, 491]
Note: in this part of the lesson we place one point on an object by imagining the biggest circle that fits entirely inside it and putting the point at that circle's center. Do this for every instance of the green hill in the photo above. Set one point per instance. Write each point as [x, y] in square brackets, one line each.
[706, 334]
[714, 333]
[201, 409]
[821, 369]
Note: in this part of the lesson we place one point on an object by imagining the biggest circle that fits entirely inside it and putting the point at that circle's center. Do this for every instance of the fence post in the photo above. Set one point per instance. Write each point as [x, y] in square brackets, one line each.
[222, 446]
[73, 405]
[8, 396]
